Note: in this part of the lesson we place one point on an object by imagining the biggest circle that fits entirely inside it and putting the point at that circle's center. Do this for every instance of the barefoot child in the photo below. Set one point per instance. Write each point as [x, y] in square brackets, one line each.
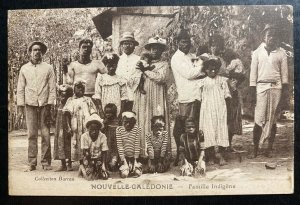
[191, 150]
[128, 143]
[109, 87]
[62, 139]
[111, 122]
[94, 149]
[77, 110]
[157, 142]
[214, 95]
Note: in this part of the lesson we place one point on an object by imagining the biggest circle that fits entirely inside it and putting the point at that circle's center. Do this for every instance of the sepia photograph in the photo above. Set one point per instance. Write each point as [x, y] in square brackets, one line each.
[151, 101]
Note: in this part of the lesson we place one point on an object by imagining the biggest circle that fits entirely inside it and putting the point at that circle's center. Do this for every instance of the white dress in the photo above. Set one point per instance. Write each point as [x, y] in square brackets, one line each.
[213, 113]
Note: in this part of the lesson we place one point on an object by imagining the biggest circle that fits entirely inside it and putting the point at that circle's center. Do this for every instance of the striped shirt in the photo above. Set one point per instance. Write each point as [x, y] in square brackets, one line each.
[157, 146]
[128, 143]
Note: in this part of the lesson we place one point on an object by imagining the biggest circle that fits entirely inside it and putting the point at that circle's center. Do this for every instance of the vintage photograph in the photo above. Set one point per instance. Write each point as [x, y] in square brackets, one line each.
[151, 101]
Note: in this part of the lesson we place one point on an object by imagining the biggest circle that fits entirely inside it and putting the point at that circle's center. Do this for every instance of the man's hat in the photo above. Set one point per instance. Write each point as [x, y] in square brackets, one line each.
[268, 27]
[94, 118]
[43, 46]
[128, 36]
[158, 41]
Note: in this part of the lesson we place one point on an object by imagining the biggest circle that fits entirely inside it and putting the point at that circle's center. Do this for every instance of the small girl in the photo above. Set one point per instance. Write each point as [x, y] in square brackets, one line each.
[111, 123]
[94, 149]
[62, 139]
[77, 110]
[157, 142]
[146, 61]
[214, 95]
[109, 87]
[191, 150]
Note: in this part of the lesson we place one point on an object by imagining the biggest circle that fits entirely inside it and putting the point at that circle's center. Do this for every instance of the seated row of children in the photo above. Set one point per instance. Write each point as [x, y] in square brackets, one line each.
[102, 146]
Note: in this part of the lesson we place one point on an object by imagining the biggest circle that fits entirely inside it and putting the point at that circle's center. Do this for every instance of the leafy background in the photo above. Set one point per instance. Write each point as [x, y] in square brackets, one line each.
[62, 29]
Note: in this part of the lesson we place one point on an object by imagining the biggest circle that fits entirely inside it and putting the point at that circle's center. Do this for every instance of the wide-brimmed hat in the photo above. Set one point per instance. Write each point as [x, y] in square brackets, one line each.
[156, 41]
[268, 27]
[94, 118]
[128, 36]
[43, 46]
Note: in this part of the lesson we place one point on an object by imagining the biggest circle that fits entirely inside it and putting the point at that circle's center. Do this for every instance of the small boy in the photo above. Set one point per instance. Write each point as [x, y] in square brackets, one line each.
[157, 142]
[128, 142]
[94, 149]
[111, 122]
[192, 150]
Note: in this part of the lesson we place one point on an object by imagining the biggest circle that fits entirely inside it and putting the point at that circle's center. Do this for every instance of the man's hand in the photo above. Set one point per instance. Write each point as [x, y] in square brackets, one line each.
[47, 115]
[253, 95]
[20, 116]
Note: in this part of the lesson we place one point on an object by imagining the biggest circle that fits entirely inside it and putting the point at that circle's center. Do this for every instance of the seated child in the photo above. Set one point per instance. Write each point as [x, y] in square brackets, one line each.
[94, 150]
[111, 122]
[157, 142]
[62, 139]
[128, 142]
[76, 111]
[146, 61]
[109, 87]
[192, 150]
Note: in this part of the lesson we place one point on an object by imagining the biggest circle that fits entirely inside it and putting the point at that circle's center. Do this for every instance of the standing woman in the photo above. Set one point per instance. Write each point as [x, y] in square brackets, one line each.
[154, 102]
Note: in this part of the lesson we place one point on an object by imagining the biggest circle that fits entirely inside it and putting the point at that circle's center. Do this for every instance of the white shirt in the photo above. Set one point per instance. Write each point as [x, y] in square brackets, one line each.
[184, 74]
[268, 71]
[126, 68]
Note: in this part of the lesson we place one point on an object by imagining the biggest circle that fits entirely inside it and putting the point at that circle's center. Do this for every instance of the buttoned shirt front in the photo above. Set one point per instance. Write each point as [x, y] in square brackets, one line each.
[185, 74]
[268, 71]
[126, 68]
[36, 85]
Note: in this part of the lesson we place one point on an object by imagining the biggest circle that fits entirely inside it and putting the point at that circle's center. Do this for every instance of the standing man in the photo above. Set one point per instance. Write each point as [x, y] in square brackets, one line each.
[127, 65]
[268, 80]
[36, 92]
[87, 70]
[185, 75]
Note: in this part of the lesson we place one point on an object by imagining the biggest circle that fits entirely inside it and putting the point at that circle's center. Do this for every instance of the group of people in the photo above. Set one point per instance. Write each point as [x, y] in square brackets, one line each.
[113, 114]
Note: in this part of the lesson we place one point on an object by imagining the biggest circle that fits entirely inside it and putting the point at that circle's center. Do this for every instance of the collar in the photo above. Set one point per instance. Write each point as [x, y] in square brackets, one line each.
[263, 45]
[30, 63]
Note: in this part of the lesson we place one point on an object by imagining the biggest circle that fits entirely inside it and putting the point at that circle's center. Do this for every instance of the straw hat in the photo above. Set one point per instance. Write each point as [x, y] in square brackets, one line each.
[158, 41]
[128, 36]
[43, 46]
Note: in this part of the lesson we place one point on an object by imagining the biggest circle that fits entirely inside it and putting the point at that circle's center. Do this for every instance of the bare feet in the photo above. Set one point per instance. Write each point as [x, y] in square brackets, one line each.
[47, 167]
[222, 161]
[61, 168]
[69, 168]
[30, 168]
[210, 162]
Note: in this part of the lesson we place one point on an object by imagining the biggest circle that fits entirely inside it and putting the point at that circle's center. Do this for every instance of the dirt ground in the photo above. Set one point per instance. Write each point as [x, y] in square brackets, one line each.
[249, 176]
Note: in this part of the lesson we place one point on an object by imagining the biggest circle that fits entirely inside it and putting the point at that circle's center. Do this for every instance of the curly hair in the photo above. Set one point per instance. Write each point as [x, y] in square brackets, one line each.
[87, 41]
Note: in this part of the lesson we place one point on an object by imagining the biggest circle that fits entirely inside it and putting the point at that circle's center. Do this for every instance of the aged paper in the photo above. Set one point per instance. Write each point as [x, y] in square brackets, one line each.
[61, 30]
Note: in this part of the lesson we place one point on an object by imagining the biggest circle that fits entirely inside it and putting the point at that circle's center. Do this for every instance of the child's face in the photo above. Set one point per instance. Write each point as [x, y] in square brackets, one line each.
[190, 127]
[158, 130]
[111, 68]
[108, 112]
[78, 91]
[128, 123]
[63, 96]
[94, 131]
[211, 71]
